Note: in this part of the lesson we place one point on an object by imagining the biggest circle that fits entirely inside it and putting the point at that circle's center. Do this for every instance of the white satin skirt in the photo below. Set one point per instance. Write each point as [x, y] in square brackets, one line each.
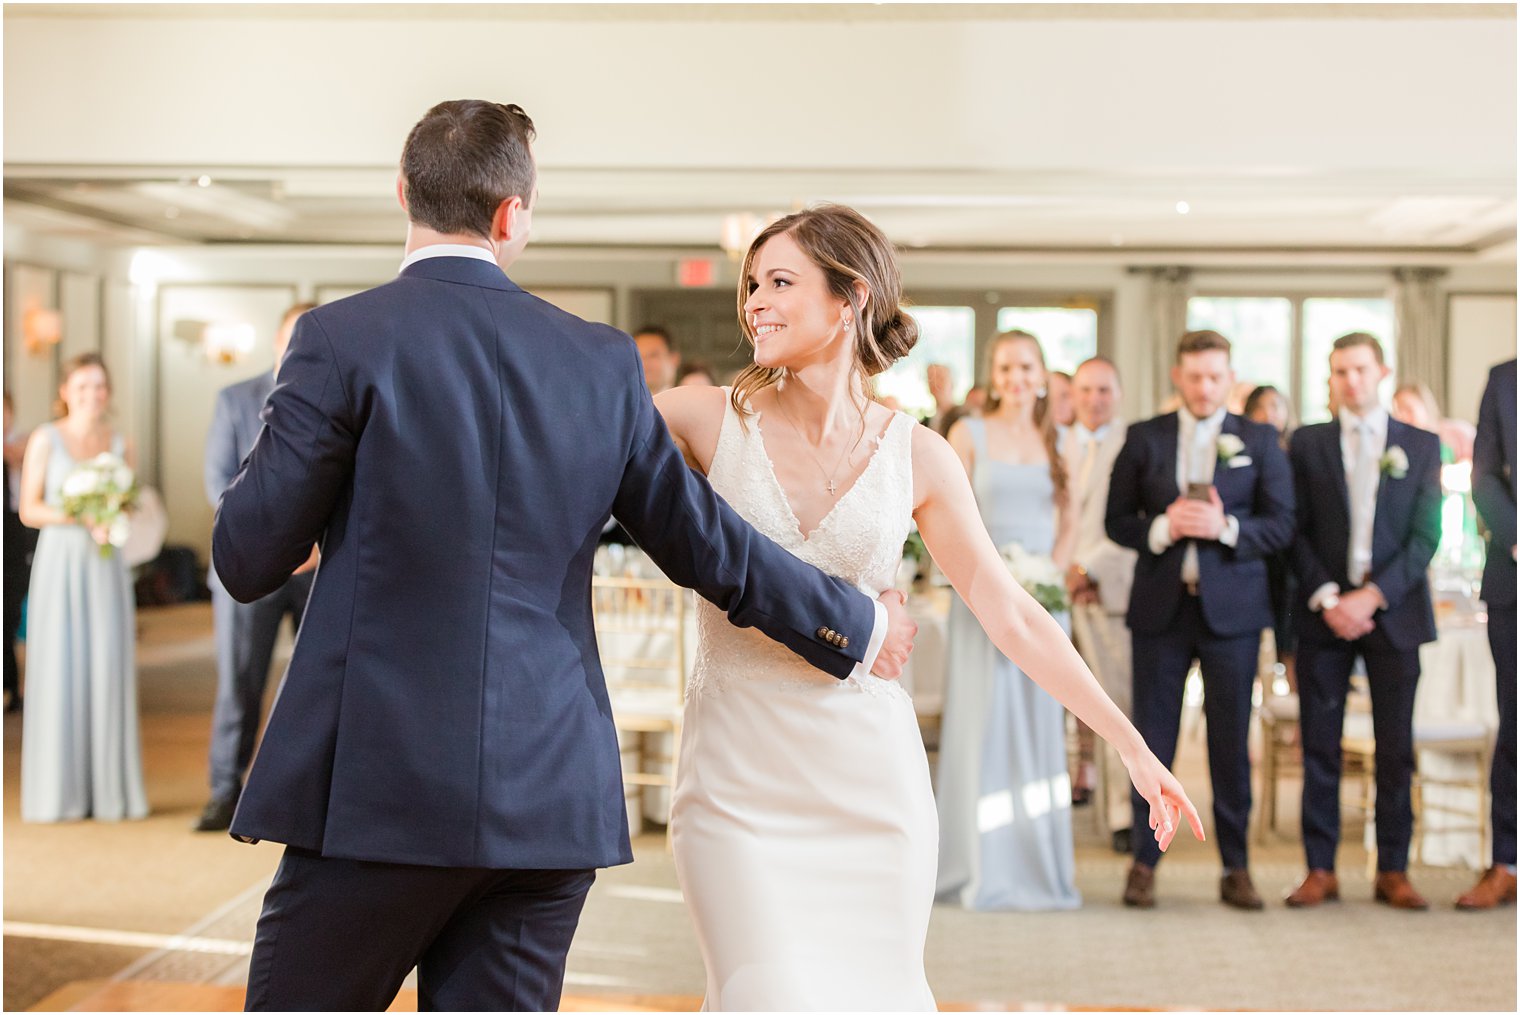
[806, 842]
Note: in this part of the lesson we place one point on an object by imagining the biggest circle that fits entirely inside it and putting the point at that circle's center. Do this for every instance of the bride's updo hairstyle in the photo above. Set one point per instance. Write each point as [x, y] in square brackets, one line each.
[849, 249]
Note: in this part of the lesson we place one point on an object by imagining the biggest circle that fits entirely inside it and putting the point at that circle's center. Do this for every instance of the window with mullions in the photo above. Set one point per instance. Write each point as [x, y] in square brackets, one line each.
[1068, 335]
[946, 335]
[1285, 341]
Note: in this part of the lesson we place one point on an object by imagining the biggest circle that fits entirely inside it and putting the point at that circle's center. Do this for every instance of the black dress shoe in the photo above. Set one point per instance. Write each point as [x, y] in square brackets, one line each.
[1121, 841]
[217, 817]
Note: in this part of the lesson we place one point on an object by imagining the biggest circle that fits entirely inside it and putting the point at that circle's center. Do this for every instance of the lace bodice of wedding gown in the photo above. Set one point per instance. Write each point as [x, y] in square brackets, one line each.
[859, 540]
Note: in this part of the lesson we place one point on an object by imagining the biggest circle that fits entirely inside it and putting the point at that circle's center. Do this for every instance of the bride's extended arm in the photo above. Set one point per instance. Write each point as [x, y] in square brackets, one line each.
[955, 537]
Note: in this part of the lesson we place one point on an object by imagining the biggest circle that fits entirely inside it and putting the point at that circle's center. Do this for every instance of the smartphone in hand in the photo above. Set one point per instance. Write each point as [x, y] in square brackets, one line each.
[1199, 491]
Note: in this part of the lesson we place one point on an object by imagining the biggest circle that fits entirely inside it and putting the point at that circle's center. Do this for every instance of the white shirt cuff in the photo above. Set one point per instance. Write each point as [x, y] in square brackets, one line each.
[1230, 534]
[873, 647]
[1161, 534]
[1317, 601]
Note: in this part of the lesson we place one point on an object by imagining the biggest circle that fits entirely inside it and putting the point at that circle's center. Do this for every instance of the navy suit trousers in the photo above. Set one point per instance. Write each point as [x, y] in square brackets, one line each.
[1501, 638]
[1324, 677]
[1161, 664]
[480, 939]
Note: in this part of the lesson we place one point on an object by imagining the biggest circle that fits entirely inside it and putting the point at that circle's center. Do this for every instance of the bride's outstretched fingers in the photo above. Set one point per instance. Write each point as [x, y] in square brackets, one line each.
[1169, 802]
[1174, 803]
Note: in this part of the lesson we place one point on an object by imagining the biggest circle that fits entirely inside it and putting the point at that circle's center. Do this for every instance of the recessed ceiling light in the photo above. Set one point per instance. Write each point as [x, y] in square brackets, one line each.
[1183, 208]
[203, 181]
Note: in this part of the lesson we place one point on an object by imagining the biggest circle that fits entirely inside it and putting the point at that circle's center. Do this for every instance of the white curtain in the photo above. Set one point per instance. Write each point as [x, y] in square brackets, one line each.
[1166, 319]
[1420, 327]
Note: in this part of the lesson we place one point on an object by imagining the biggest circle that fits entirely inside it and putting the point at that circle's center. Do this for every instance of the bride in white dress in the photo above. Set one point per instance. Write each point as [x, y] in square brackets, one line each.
[803, 820]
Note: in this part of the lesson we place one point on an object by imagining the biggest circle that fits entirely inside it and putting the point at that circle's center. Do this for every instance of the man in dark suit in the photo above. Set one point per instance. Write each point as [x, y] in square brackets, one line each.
[1369, 520]
[1204, 496]
[441, 761]
[245, 634]
[1494, 492]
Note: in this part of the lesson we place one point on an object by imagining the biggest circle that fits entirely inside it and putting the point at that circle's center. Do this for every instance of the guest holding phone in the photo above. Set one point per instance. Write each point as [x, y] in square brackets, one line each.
[1204, 497]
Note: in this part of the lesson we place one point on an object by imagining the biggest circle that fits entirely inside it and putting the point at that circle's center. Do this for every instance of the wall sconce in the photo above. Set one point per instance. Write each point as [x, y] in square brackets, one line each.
[41, 329]
[223, 342]
[228, 342]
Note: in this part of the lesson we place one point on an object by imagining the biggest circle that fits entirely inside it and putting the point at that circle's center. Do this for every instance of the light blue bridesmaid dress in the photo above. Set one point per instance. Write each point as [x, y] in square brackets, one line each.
[1003, 788]
[80, 755]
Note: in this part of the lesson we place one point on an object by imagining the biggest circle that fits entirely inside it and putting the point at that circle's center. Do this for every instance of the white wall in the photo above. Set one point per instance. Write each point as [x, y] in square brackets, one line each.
[711, 87]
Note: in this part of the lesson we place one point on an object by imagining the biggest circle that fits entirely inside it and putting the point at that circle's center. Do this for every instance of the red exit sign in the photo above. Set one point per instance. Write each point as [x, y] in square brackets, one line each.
[695, 272]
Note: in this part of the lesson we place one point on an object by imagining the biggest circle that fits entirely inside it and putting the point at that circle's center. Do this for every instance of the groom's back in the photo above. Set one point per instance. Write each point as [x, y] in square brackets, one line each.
[445, 675]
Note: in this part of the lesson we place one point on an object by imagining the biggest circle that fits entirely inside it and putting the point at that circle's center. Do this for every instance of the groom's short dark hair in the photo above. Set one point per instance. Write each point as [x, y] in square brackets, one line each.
[462, 160]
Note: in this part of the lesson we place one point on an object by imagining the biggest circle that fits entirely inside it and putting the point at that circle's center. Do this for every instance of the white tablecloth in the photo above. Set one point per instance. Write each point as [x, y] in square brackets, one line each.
[1456, 690]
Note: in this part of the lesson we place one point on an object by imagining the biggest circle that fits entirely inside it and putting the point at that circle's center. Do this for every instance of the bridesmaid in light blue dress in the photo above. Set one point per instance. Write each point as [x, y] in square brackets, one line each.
[80, 755]
[1003, 790]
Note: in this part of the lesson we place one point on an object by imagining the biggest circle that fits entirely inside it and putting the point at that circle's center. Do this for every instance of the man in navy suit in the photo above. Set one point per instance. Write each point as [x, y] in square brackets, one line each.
[441, 762]
[1494, 492]
[1205, 497]
[245, 633]
[1369, 520]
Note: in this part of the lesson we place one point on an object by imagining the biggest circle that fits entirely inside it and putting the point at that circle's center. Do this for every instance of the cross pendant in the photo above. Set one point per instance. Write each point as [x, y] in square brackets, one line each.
[831, 488]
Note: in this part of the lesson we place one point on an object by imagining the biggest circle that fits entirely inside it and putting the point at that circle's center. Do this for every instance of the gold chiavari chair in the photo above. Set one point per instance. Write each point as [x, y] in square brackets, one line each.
[641, 638]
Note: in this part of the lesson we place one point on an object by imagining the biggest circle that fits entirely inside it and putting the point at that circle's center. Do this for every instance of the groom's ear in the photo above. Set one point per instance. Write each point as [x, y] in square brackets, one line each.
[506, 223]
[401, 191]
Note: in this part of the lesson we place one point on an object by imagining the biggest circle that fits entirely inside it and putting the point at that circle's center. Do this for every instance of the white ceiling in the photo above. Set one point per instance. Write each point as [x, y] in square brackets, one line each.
[1330, 128]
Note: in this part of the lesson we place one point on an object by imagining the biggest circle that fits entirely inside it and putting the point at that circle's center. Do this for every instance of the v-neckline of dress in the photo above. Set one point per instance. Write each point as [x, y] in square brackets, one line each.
[786, 501]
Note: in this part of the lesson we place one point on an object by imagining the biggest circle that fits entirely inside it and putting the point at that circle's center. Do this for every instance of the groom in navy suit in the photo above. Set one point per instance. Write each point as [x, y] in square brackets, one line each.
[1369, 519]
[1205, 497]
[442, 762]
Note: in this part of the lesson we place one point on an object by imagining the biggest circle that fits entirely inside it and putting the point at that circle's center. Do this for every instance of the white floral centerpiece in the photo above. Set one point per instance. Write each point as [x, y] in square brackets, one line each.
[1038, 575]
[99, 492]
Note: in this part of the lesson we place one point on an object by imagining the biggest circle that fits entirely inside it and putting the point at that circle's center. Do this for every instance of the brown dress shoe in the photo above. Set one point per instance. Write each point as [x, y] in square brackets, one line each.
[1495, 888]
[1319, 886]
[1393, 887]
[1235, 889]
[1140, 887]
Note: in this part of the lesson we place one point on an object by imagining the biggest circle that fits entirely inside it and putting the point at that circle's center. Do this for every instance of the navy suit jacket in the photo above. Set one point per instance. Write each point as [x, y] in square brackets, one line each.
[456, 444]
[1406, 527]
[1232, 579]
[1494, 482]
[235, 425]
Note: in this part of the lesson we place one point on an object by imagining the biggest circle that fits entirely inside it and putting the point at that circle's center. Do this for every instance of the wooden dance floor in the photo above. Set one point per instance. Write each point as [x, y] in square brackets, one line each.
[106, 995]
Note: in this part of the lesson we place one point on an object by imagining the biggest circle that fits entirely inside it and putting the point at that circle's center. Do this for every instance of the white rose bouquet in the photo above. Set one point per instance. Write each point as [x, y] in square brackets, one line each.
[1038, 575]
[98, 494]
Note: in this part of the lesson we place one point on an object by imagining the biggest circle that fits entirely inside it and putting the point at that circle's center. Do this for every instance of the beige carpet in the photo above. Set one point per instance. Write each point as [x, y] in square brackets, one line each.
[92, 901]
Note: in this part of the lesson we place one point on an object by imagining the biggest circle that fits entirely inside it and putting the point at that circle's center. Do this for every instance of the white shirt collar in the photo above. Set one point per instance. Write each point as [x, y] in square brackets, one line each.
[1214, 421]
[1377, 419]
[447, 250]
[1093, 435]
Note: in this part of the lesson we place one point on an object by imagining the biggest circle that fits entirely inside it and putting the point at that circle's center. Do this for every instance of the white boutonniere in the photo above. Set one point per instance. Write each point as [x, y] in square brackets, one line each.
[1230, 448]
[1395, 463]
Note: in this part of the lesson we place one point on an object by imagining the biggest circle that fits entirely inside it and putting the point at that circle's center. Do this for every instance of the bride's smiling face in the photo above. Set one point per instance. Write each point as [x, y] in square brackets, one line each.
[790, 314]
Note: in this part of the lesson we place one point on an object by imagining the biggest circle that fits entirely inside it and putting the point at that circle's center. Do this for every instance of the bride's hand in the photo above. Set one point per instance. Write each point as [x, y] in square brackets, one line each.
[1165, 794]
